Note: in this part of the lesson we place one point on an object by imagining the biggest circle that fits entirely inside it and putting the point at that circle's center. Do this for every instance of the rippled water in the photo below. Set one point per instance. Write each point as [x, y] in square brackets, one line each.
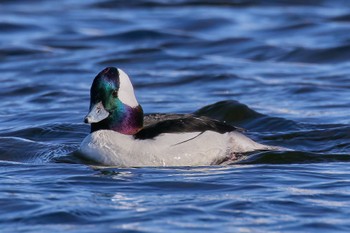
[280, 69]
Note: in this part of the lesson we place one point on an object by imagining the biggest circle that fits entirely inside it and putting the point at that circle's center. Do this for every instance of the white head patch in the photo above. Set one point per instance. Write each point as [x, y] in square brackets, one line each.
[126, 91]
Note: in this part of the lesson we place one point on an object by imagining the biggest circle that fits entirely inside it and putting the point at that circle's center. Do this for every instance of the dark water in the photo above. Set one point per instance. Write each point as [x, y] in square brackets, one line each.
[280, 69]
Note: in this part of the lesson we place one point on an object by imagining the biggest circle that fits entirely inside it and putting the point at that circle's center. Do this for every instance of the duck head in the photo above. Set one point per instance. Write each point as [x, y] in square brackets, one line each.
[113, 104]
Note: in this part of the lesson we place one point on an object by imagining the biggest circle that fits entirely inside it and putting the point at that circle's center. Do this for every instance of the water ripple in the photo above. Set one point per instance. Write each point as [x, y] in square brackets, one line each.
[279, 69]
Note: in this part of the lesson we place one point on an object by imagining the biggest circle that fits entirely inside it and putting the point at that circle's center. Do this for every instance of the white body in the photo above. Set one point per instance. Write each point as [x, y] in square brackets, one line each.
[169, 149]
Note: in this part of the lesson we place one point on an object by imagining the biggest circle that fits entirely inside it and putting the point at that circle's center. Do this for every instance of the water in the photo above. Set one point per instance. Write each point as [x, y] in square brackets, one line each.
[280, 69]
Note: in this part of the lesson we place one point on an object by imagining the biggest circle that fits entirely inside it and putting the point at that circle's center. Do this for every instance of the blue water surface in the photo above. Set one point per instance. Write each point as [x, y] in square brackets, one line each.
[279, 69]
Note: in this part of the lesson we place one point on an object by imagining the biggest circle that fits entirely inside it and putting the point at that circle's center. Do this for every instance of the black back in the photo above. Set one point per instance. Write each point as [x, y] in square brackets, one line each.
[181, 124]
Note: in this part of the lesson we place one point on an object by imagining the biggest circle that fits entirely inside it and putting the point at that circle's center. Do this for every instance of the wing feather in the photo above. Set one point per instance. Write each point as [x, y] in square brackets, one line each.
[177, 123]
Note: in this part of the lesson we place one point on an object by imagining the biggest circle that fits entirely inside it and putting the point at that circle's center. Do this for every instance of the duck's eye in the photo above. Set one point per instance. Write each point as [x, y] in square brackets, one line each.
[115, 93]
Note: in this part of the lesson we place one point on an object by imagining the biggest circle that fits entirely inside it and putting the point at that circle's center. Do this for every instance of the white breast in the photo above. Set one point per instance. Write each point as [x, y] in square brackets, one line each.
[187, 149]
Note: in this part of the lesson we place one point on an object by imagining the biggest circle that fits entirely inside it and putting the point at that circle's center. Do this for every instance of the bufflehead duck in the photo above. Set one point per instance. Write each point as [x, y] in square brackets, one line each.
[122, 136]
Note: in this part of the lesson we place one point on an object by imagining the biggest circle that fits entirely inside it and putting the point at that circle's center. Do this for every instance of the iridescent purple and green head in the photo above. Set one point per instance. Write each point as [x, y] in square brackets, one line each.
[113, 104]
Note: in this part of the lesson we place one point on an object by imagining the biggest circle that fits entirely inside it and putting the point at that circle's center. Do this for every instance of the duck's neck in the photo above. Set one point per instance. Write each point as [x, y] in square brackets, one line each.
[125, 120]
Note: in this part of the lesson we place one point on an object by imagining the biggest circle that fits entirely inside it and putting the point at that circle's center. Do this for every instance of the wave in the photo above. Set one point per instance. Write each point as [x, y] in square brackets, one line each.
[219, 3]
[236, 113]
[41, 144]
[337, 54]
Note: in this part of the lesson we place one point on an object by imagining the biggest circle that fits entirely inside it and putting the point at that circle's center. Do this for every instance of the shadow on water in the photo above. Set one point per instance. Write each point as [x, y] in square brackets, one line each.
[292, 157]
